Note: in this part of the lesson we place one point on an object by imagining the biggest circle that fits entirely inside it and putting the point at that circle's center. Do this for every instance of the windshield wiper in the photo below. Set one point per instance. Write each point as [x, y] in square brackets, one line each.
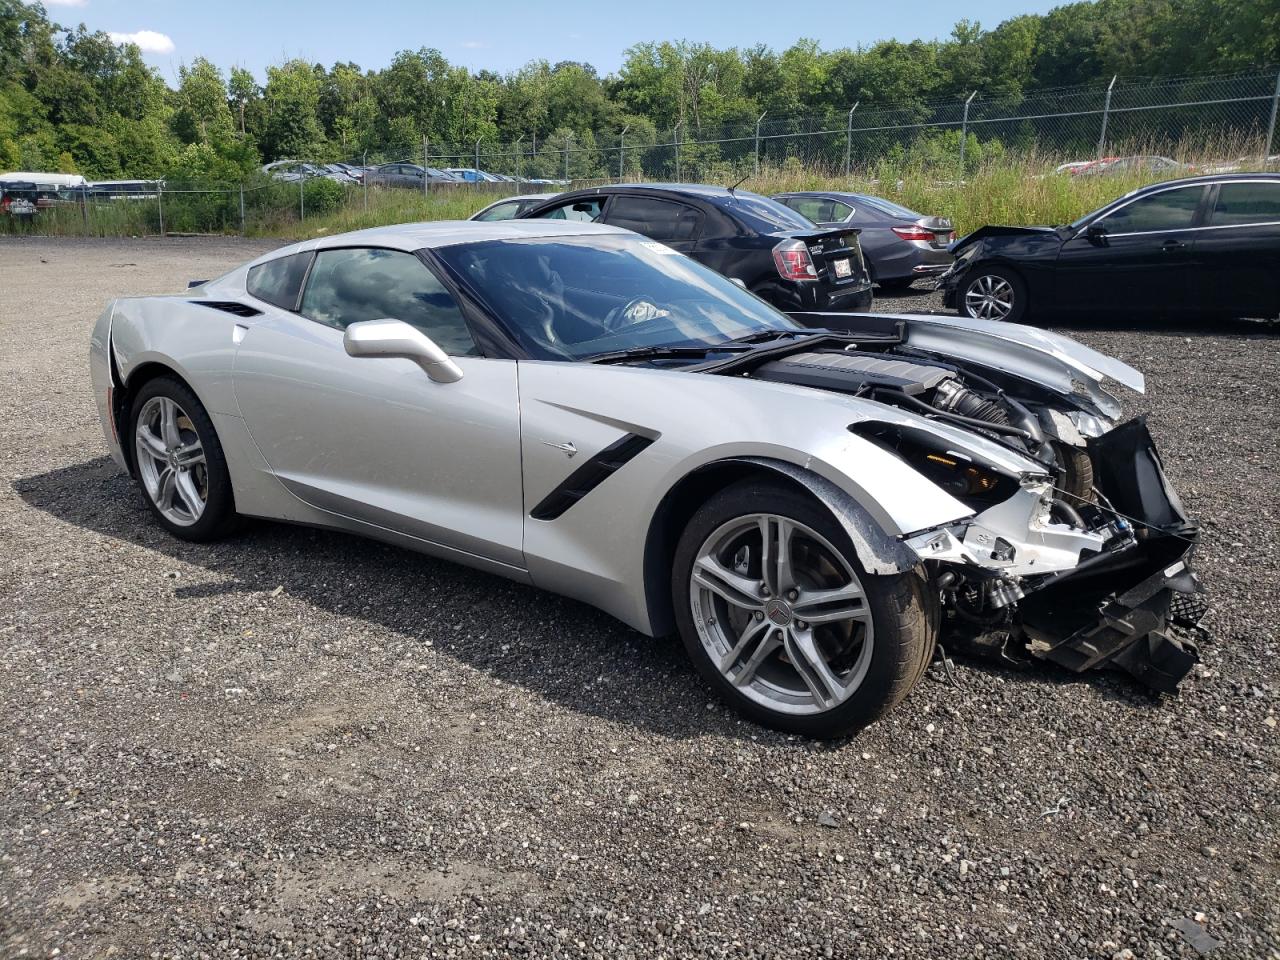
[651, 353]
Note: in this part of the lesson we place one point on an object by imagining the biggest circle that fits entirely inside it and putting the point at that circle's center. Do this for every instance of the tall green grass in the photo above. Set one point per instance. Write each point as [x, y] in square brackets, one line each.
[1013, 190]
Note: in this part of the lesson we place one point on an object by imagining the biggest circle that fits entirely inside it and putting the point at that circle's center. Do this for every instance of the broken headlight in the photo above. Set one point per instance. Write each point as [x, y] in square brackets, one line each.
[974, 484]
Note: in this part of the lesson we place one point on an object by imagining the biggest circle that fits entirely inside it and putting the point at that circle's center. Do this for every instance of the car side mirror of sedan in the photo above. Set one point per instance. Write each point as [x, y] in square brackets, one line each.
[1096, 232]
[395, 338]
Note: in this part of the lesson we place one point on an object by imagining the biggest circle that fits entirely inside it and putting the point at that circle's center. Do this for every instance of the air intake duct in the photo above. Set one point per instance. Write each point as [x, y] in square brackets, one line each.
[951, 396]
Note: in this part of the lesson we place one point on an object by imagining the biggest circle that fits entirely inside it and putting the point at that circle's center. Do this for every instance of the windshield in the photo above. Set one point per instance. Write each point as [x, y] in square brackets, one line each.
[575, 297]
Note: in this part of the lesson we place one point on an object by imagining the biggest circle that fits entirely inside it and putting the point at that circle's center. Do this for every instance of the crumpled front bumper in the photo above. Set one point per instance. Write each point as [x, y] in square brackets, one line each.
[1136, 607]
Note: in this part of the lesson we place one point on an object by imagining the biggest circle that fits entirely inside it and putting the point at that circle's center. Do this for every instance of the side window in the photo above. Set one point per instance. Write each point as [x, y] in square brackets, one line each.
[840, 211]
[585, 210]
[1167, 210]
[502, 211]
[1240, 203]
[278, 281]
[813, 208]
[365, 283]
[661, 220]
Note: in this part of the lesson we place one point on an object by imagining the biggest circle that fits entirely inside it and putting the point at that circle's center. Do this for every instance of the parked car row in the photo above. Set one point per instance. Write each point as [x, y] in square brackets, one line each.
[395, 174]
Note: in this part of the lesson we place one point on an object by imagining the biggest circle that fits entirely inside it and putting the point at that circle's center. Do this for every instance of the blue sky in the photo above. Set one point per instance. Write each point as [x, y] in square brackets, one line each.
[498, 34]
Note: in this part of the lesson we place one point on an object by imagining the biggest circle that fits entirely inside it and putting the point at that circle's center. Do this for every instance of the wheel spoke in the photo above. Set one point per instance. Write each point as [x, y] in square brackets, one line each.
[769, 642]
[153, 444]
[812, 667]
[169, 423]
[185, 487]
[776, 534]
[754, 633]
[831, 606]
[728, 584]
[166, 485]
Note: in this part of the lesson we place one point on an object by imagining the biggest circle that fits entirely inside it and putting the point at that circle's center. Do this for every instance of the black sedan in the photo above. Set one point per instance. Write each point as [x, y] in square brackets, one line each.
[900, 245]
[1203, 246]
[770, 249]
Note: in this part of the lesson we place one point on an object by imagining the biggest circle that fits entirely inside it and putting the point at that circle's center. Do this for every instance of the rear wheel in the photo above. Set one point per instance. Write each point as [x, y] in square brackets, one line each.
[994, 293]
[179, 462]
[779, 615]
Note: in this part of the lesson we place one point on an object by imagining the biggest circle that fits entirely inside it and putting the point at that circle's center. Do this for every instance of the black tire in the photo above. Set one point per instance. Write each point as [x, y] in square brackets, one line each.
[905, 632]
[1020, 309]
[897, 284]
[219, 517]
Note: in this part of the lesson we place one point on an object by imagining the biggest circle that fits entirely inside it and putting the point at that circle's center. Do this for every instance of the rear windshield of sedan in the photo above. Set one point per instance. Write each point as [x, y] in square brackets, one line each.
[775, 214]
[571, 298]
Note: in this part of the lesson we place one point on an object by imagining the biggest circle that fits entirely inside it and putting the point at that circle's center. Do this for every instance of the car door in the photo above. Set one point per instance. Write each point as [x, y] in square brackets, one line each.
[675, 224]
[375, 439]
[1239, 249]
[1135, 258]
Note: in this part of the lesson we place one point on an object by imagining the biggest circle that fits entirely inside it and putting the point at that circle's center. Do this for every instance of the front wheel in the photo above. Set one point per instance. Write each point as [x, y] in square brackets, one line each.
[179, 462]
[994, 293]
[781, 618]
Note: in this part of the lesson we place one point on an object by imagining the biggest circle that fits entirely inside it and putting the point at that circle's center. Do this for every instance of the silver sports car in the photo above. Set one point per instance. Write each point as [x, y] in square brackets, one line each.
[810, 501]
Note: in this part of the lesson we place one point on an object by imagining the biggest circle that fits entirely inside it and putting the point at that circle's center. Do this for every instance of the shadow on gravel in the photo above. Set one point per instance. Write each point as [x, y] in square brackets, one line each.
[557, 648]
[560, 649]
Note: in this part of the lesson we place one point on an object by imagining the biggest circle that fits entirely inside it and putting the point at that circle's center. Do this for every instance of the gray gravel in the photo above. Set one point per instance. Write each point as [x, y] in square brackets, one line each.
[300, 743]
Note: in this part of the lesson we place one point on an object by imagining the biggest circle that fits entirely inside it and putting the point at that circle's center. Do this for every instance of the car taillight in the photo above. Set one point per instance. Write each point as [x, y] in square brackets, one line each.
[913, 233]
[793, 261]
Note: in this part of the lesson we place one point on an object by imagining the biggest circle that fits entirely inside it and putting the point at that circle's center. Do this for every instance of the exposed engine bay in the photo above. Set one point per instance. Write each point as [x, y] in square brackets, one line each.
[1081, 562]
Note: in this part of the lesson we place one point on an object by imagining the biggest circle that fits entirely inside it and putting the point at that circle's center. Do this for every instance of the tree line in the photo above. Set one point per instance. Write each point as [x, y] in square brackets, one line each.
[73, 100]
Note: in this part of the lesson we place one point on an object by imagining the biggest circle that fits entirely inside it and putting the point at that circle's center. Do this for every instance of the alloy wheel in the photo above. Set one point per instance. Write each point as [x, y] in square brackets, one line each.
[781, 614]
[990, 297]
[171, 461]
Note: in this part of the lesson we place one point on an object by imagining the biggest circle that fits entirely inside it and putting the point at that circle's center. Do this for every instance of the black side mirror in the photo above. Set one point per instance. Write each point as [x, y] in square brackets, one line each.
[1096, 232]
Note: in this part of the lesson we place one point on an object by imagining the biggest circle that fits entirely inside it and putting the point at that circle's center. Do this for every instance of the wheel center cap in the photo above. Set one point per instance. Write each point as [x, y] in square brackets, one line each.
[173, 460]
[778, 612]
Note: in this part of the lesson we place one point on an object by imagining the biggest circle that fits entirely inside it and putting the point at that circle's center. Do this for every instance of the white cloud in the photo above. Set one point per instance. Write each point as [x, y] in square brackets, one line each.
[474, 44]
[148, 41]
[65, 3]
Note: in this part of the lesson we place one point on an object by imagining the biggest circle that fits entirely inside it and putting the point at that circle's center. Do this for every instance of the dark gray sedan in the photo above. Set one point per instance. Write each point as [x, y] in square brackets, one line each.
[900, 245]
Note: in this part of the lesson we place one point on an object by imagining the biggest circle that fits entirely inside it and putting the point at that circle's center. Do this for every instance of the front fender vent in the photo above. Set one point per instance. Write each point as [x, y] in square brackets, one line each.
[230, 306]
[589, 476]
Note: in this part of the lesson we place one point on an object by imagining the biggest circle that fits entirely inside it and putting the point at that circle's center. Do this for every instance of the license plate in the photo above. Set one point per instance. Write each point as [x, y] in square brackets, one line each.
[842, 269]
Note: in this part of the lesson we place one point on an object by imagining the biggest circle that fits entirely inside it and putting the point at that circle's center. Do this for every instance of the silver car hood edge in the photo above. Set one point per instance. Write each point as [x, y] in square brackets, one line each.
[1048, 358]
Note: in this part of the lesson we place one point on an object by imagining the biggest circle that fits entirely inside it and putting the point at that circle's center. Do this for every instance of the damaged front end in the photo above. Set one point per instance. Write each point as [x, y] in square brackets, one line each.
[1084, 582]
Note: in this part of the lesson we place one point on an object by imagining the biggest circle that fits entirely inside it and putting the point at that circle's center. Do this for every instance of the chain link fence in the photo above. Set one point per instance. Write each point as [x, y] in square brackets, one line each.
[1219, 122]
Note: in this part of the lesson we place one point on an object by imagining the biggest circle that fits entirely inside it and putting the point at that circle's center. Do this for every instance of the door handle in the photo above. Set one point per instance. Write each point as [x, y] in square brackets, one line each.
[1170, 245]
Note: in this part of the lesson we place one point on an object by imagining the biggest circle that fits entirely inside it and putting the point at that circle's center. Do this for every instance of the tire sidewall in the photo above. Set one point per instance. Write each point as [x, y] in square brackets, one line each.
[219, 508]
[1019, 312]
[880, 685]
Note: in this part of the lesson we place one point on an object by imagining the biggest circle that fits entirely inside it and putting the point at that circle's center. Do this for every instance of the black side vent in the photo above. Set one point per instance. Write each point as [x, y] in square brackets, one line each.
[230, 306]
[589, 476]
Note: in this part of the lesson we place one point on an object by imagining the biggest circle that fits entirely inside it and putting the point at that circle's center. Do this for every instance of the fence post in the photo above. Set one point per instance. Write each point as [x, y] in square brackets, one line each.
[425, 178]
[848, 141]
[622, 147]
[1106, 113]
[1271, 126]
[566, 159]
[964, 129]
[364, 178]
[242, 209]
[302, 203]
[477, 156]
[758, 120]
[518, 180]
[160, 200]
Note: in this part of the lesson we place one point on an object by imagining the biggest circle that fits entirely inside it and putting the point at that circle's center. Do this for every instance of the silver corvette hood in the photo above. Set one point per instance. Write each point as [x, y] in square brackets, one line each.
[1049, 359]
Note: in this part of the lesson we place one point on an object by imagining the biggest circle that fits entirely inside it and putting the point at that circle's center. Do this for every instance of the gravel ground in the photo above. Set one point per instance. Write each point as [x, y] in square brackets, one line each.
[301, 743]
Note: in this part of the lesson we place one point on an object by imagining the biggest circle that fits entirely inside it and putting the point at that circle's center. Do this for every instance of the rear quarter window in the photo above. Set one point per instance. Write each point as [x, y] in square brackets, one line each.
[1241, 203]
[279, 281]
